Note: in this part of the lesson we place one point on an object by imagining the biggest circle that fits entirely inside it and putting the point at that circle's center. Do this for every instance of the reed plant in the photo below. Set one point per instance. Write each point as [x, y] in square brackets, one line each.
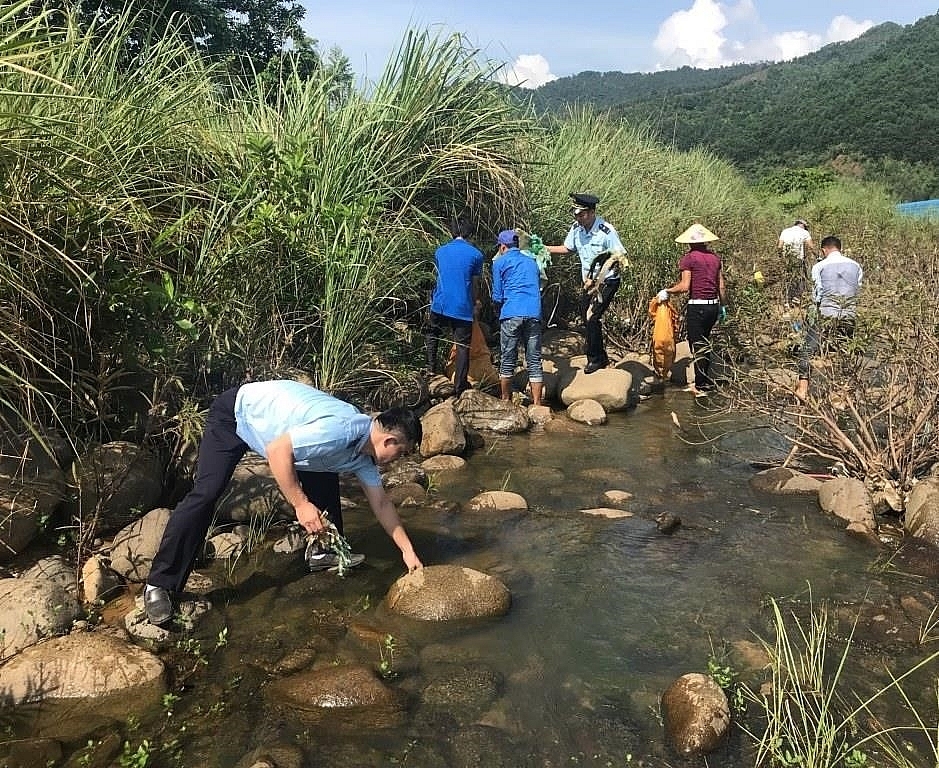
[809, 717]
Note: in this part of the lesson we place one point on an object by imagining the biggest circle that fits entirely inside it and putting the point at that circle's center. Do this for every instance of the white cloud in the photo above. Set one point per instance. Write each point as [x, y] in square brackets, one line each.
[714, 34]
[791, 45]
[693, 37]
[846, 28]
[530, 70]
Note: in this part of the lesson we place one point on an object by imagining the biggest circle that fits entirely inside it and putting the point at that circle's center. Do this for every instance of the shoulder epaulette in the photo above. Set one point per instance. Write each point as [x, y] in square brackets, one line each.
[604, 228]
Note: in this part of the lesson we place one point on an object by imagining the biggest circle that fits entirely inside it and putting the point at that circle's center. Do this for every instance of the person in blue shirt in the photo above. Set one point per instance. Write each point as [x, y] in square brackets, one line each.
[516, 290]
[455, 300]
[308, 437]
[594, 241]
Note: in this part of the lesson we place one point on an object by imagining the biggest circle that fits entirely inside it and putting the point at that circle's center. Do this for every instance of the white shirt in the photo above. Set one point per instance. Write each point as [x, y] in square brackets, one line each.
[837, 280]
[793, 240]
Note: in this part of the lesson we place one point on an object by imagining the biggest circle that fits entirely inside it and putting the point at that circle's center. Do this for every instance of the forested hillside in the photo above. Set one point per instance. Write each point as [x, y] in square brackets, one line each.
[872, 102]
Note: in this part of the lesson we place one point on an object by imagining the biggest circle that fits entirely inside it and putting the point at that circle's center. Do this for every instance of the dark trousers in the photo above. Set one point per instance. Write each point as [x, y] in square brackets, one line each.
[700, 320]
[594, 305]
[462, 332]
[796, 279]
[821, 332]
[219, 452]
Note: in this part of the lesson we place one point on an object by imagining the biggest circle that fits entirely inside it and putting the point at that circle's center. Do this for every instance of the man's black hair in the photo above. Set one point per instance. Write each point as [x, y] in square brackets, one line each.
[403, 421]
[460, 226]
[831, 240]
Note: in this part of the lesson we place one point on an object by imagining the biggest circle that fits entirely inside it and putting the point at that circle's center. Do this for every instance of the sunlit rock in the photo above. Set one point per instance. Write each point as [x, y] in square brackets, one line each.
[443, 463]
[496, 501]
[587, 411]
[447, 592]
[134, 547]
[442, 431]
[849, 499]
[83, 665]
[922, 511]
[33, 608]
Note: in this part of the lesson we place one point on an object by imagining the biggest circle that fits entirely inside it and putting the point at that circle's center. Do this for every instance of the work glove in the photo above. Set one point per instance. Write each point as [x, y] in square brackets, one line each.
[722, 315]
[662, 296]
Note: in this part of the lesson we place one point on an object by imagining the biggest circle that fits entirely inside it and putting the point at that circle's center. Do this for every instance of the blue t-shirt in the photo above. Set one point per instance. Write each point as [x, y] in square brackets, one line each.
[588, 244]
[327, 434]
[516, 284]
[458, 262]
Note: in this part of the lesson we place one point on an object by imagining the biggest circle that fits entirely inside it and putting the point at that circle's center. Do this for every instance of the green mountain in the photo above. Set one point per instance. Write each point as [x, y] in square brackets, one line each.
[873, 100]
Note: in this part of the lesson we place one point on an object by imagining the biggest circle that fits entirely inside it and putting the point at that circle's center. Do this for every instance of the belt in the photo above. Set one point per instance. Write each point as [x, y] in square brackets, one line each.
[704, 301]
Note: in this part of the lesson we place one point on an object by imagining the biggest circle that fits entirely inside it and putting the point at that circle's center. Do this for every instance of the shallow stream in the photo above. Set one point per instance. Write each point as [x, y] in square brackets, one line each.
[605, 612]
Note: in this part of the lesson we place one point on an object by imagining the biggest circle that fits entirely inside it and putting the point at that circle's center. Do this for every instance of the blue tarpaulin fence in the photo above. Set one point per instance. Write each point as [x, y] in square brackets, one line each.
[927, 209]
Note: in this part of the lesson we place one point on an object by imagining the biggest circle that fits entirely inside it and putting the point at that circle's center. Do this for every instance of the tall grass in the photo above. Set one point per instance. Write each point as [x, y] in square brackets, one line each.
[810, 718]
[167, 236]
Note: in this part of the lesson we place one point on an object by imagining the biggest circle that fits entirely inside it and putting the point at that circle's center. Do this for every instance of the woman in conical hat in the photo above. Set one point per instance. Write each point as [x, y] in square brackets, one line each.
[703, 280]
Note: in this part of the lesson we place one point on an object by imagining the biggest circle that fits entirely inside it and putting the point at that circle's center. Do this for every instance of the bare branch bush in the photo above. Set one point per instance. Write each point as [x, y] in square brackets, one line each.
[874, 398]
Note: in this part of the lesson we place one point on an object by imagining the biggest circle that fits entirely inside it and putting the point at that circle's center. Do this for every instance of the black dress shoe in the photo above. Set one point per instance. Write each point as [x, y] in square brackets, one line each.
[158, 605]
[593, 367]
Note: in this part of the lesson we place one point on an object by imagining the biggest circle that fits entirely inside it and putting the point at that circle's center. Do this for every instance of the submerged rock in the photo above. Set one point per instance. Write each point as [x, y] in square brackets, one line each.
[785, 481]
[349, 696]
[696, 713]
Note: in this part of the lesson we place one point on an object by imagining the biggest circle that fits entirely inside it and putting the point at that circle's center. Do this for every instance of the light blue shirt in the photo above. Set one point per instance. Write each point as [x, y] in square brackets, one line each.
[588, 244]
[328, 435]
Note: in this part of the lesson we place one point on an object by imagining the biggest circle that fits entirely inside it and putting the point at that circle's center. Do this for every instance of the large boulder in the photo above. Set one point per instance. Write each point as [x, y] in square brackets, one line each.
[84, 665]
[447, 592]
[24, 505]
[33, 608]
[922, 511]
[849, 499]
[252, 494]
[134, 547]
[115, 483]
[442, 431]
[609, 386]
[696, 714]
[481, 411]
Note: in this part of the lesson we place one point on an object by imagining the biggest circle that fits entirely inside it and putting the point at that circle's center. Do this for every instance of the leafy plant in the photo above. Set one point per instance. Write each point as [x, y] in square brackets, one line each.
[386, 652]
[136, 758]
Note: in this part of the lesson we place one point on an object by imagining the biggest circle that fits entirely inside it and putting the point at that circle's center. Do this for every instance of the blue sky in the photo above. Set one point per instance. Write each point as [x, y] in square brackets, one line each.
[540, 40]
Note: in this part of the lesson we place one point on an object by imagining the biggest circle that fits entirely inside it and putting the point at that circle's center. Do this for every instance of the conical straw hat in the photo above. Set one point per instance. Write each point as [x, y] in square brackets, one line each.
[696, 233]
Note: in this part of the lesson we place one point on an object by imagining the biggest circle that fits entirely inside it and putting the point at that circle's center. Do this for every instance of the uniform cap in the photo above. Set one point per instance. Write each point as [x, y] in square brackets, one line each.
[583, 202]
[507, 237]
[696, 233]
[803, 222]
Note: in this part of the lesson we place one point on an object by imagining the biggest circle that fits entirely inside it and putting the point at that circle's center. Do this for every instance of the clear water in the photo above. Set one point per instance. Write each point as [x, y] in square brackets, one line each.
[605, 613]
